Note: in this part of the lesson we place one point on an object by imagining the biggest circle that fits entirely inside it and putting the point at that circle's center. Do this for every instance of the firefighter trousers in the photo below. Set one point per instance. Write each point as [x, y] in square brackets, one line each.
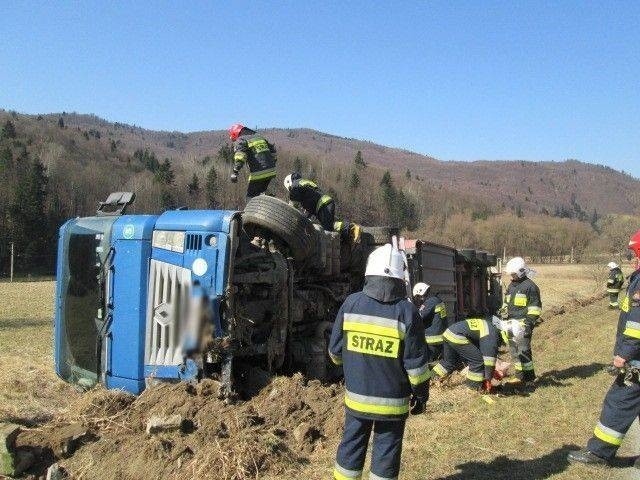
[326, 215]
[523, 357]
[257, 187]
[385, 450]
[473, 356]
[620, 409]
[450, 360]
[613, 299]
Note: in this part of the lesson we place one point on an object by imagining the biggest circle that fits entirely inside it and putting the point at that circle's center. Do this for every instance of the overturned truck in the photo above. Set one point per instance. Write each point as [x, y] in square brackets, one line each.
[205, 293]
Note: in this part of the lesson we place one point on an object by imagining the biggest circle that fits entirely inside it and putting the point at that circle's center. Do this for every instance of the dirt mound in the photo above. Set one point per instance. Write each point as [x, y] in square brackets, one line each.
[105, 435]
[574, 304]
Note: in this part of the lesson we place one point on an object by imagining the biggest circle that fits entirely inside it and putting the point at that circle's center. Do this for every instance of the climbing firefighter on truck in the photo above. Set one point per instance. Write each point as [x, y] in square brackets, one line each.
[257, 153]
[307, 194]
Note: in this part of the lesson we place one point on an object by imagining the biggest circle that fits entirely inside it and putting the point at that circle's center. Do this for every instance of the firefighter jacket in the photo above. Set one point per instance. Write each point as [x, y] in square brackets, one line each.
[484, 336]
[306, 193]
[522, 301]
[434, 318]
[378, 338]
[615, 281]
[258, 153]
[628, 334]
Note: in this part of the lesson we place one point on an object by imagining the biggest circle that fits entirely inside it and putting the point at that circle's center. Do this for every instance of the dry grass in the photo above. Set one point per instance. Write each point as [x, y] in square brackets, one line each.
[29, 388]
[461, 437]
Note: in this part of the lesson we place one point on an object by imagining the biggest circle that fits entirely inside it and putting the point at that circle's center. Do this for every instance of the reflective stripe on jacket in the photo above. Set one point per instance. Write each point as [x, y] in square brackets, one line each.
[522, 300]
[434, 317]
[628, 333]
[307, 193]
[258, 153]
[481, 334]
[615, 280]
[384, 357]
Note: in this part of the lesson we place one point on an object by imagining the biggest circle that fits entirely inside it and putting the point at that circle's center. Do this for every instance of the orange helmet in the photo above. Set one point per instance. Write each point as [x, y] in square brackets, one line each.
[234, 131]
[634, 243]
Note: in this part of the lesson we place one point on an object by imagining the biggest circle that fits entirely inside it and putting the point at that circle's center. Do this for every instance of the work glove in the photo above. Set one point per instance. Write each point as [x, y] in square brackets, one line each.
[417, 405]
[234, 177]
[487, 387]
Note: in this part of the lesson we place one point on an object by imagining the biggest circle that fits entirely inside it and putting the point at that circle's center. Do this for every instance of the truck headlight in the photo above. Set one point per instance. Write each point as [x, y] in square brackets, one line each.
[168, 240]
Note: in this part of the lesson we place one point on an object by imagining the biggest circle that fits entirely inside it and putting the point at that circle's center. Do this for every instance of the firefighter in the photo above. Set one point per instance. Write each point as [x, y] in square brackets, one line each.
[477, 341]
[522, 303]
[622, 403]
[305, 193]
[378, 338]
[433, 312]
[258, 153]
[349, 231]
[614, 284]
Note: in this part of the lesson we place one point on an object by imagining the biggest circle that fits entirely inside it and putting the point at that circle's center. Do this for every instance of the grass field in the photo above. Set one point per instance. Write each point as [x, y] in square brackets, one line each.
[461, 436]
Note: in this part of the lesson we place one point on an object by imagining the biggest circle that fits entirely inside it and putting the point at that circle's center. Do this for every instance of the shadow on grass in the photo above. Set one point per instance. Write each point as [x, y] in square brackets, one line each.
[504, 468]
[554, 378]
[19, 323]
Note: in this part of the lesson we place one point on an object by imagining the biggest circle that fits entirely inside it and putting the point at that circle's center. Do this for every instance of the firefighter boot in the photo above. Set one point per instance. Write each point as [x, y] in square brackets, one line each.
[585, 456]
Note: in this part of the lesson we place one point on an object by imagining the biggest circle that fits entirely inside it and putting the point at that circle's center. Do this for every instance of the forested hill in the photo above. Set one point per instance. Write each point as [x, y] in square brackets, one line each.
[56, 166]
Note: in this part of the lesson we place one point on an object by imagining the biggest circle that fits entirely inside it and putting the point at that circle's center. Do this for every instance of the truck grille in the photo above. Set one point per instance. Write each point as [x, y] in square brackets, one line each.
[194, 242]
[169, 291]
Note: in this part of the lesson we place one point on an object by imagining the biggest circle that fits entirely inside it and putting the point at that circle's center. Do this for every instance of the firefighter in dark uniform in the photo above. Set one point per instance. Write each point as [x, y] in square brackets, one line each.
[378, 338]
[522, 303]
[307, 194]
[433, 312]
[258, 153]
[622, 403]
[614, 284]
[477, 341]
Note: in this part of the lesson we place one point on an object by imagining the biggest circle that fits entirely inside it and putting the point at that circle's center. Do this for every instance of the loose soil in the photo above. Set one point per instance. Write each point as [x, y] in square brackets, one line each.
[277, 432]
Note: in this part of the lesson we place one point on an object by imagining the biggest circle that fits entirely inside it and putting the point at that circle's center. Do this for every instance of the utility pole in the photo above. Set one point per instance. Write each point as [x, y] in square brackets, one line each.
[11, 269]
[504, 253]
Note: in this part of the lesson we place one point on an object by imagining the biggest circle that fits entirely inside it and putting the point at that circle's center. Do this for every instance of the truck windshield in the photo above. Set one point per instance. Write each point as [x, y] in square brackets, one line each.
[86, 245]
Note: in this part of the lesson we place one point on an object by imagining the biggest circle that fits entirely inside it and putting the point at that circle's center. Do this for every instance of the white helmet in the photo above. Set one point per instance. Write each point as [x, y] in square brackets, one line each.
[288, 181]
[612, 265]
[517, 266]
[420, 289]
[386, 261]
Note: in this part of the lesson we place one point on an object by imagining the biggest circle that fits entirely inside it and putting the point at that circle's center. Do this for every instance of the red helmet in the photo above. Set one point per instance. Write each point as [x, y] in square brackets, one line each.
[634, 243]
[234, 131]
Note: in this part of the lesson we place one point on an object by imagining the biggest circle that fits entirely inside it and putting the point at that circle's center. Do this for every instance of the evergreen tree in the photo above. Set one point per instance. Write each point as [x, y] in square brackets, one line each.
[211, 188]
[60, 122]
[8, 130]
[164, 174]
[297, 165]
[167, 202]
[225, 153]
[354, 182]
[28, 214]
[6, 158]
[408, 174]
[358, 160]
[193, 187]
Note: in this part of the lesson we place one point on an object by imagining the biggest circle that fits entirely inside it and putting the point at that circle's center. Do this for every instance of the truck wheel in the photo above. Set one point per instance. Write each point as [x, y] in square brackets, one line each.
[270, 215]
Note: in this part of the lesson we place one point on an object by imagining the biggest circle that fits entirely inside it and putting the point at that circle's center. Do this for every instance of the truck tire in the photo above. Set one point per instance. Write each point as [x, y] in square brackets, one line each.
[283, 222]
[377, 235]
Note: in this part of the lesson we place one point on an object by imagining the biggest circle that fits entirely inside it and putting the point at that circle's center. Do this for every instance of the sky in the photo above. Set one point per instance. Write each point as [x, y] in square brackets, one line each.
[463, 80]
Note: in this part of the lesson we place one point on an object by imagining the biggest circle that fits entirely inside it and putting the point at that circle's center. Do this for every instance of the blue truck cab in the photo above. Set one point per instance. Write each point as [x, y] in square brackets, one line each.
[121, 279]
